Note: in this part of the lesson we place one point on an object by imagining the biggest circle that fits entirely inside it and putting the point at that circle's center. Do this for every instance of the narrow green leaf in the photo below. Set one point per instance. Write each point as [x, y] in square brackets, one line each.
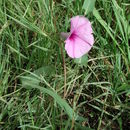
[88, 6]
[108, 29]
[41, 48]
[32, 81]
[23, 22]
[123, 87]
[82, 61]
[16, 51]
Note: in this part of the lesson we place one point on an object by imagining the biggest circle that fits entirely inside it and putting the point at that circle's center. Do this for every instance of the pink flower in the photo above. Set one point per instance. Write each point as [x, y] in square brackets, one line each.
[80, 39]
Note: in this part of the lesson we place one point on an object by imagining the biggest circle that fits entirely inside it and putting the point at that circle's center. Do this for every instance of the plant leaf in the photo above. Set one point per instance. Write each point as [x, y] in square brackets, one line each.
[82, 60]
[88, 6]
[32, 81]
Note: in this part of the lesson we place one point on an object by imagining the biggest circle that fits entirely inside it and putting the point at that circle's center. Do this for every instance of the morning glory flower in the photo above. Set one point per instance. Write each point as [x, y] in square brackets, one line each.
[80, 39]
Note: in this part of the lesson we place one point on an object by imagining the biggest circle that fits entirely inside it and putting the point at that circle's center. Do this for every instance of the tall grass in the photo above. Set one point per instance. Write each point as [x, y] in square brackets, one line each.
[34, 93]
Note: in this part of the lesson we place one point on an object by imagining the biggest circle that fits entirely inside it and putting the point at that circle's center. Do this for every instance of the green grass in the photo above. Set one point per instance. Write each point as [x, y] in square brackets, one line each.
[41, 88]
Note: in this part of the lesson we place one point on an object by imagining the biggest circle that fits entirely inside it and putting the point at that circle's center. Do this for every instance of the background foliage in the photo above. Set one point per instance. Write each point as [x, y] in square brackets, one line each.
[42, 88]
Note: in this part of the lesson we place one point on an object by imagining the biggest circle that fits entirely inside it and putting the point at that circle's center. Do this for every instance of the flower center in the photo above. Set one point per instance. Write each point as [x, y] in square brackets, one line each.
[72, 36]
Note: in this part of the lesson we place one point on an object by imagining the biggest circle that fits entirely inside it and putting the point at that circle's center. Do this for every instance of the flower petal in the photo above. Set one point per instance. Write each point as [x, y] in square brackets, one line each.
[88, 38]
[78, 47]
[74, 22]
[81, 24]
[81, 39]
[69, 47]
[81, 47]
